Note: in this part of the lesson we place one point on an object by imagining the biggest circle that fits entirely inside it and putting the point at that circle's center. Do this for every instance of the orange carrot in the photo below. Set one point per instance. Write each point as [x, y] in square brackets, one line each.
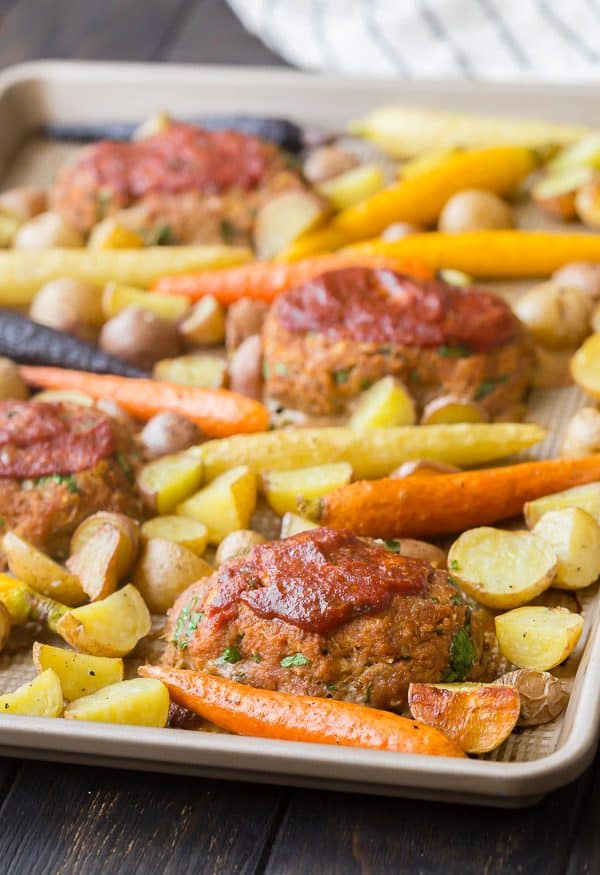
[218, 412]
[265, 280]
[265, 714]
[417, 507]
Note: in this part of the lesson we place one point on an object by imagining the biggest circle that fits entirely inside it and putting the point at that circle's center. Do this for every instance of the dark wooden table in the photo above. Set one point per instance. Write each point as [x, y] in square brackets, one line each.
[70, 819]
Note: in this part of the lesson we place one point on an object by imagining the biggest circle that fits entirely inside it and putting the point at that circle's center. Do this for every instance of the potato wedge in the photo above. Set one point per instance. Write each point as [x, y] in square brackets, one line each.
[110, 234]
[283, 218]
[574, 536]
[538, 637]
[205, 323]
[42, 697]
[387, 403]
[205, 371]
[164, 570]
[23, 604]
[138, 702]
[450, 409]
[169, 480]
[40, 572]
[542, 695]
[236, 544]
[586, 497]
[117, 297]
[293, 524]
[352, 186]
[585, 366]
[502, 569]
[479, 717]
[189, 533]
[97, 562]
[286, 490]
[79, 673]
[111, 627]
[226, 504]
[129, 537]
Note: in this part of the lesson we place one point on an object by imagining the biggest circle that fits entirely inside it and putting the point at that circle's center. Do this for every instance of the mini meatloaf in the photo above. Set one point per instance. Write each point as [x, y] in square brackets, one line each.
[59, 463]
[330, 339]
[183, 185]
[326, 613]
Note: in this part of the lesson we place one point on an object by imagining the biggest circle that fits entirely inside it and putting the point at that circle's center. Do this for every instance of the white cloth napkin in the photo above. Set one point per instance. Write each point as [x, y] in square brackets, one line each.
[508, 40]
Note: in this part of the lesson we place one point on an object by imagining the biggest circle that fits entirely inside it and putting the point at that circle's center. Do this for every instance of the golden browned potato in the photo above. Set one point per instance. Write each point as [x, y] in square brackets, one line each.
[537, 637]
[237, 543]
[244, 318]
[189, 533]
[204, 325]
[386, 403]
[128, 528]
[164, 570]
[42, 697]
[168, 433]
[325, 162]
[288, 490]
[69, 305]
[284, 218]
[207, 371]
[556, 194]
[111, 234]
[582, 435]
[140, 337]
[474, 210]
[542, 695]
[352, 186]
[450, 409]
[23, 203]
[587, 497]
[117, 297]
[555, 315]
[110, 627]
[38, 571]
[79, 673]
[587, 203]
[552, 368]
[169, 480]
[293, 523]
[5, 625]
[574, 536]
[138, 702]
[584, 275]
[45, 231]
[96, 564]
[245, 368]
[225, 504]
[12, 384]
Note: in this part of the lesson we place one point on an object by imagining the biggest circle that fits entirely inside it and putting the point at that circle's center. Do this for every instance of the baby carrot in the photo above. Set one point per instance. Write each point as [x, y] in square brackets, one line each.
[266, 714]
[263, 281]
[217, 412]
[418, 507]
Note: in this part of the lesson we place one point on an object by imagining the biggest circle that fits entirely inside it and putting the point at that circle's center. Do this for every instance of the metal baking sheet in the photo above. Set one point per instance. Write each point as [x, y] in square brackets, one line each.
[532, 762]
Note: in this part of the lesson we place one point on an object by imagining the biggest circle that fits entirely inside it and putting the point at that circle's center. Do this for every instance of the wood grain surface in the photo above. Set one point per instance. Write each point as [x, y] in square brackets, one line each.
[67, 819]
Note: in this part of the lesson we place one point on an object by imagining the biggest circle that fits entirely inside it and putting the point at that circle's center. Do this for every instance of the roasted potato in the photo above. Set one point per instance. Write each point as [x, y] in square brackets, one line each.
[79, 673]
[138, 702]
[169, 480]
[387, 403]
[557, 193]
[238, 543]
[204, 325]
[96, 564]
[450, 409]
[284, 218]
[246, 368]
[479, 717]
[5, 625]
[502, 569]
[63, 396]
[582, 435]
[12, 384]
[23, 203]
[584, 275]
[542, 695]
[475, 210]
[587, 203]
[164, 570]
[111, 627]
[69, 305]
[167, 433]
[41, 573]
[182, 530]
[537, 637]
[244, 319]
[128, 528]
[286, 490]
[46, 231]
[112, 234]
[585, 366]
[352, 186]
[140, 337]
[587, 497]
[293, 524]
[574, 536]
[42, 697]
[206, 371]
[226, 504]
[556, 316]
[116, 298]
[418, 550]
[326, 162]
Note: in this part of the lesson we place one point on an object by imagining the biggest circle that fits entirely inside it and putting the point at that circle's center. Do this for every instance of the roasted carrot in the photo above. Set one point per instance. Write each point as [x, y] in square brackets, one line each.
[265, 714]
[491, 254]
[416, 507]
[217, 412]
[263, 281]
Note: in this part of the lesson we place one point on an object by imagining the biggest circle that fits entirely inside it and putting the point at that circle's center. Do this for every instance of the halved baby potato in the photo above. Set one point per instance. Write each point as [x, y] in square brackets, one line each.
[117, 297]
[502, 569]
[97, 562]
[138, 702]
[293, 524]
[538, 637]
[283, 218]
[41, 697]
[164, 570]
[236, 544]
[387, 403]
[574, 535]
[79, 673]
[205, 324]
[416, 549]
[586, 497]
[128, 538]
[181, 530]
[585, 366]
[450, 409]
[286, 490]
[542, 695]
[41, 573]
[205, 371]
[479, 717]
[226, 504]
[169, 480]
[111, 627]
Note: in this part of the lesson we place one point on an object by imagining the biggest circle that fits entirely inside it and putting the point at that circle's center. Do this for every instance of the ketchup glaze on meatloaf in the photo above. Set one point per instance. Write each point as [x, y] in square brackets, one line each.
[328, 340]
[325, 613]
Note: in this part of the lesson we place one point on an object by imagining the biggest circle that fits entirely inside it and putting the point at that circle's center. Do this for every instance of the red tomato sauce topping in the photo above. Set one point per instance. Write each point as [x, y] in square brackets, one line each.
[182, 158]
[38, 440]
[317, 580]
[379, 306]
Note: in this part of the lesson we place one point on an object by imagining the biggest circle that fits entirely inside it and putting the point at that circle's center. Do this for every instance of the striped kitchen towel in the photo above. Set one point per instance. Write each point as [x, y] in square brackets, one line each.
[518, 40]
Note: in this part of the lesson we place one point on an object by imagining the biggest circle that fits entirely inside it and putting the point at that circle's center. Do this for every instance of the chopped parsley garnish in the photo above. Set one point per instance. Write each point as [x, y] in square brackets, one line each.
[186, 625]
[296, 659]
[266, 371]
[368, 692]
[453, 581]
[342, 376]
[2, 522]
[456, 600]
[457, 350]
[331, 687]
[462, 656]
[385, 350]
[123, 462]
[67, 479]
[414, 376]
[231, 655]
[454, 565]
[281, 369]
[392, 545]
[228, 230]
[256, 657]
[486, 387]
[365, 384]
[164, 236]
